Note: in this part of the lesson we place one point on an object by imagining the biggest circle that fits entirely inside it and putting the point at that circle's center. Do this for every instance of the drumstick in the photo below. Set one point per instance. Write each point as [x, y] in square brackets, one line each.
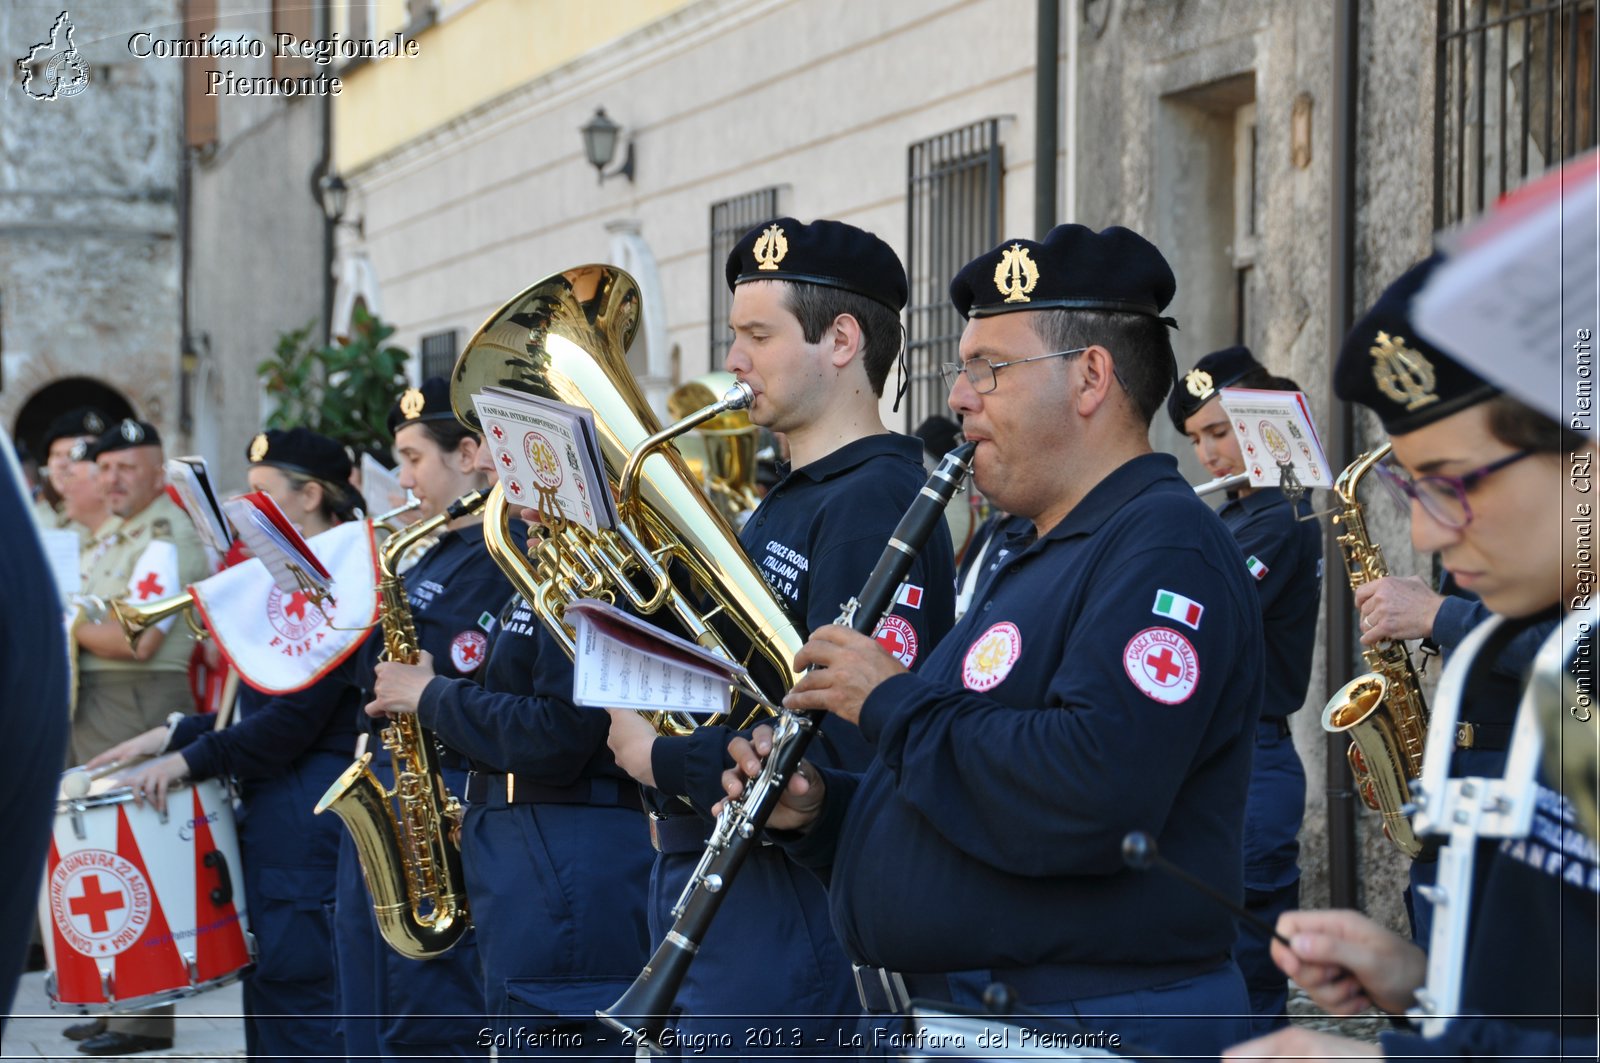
[75, 781]
[1139, 852]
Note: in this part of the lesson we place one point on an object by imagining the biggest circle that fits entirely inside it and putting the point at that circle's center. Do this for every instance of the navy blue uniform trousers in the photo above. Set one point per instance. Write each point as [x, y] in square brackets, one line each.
[394, 1006]
[291, 857]
[556, 884]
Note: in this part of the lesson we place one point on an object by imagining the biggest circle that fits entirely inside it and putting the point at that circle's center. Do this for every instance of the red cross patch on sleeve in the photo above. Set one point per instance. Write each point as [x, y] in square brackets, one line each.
[1162, 664]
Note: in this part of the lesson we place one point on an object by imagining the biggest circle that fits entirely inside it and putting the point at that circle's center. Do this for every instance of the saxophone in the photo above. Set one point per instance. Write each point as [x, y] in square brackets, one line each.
[411, 861]
[1383, 711]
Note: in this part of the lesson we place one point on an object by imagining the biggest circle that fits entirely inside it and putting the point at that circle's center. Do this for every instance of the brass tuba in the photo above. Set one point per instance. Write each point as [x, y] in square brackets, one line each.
[672, 554]
[1383, 711]
[411, 862]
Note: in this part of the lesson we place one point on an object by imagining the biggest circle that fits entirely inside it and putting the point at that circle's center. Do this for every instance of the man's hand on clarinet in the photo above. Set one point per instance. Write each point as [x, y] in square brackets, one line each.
[802, 799]
[845, 668]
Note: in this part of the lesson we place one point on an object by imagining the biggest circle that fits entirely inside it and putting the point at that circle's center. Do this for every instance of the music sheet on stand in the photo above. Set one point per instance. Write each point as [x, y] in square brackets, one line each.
[270, 537]
[540, 445]
[624, 663]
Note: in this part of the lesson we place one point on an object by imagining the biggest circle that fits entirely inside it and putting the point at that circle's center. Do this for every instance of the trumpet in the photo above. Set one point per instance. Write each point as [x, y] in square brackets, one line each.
[135, 618]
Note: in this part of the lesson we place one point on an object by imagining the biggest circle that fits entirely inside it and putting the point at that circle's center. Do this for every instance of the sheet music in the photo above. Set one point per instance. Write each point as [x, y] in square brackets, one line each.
[270, 537]
[189, 477]
[624, 663]
[380, 488]
[1275, 427]
[63, 552]
[544, 446]
[1518, 300]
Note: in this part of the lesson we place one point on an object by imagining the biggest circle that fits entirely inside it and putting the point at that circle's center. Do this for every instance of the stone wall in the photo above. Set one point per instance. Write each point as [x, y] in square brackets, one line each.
[257, 255]
[89, 257]
[1159, 82]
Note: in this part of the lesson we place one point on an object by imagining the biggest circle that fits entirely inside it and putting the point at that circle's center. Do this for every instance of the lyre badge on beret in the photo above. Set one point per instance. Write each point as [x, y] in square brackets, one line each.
[411, 404]
[79, 451]
[131, 431]
[1016, 274]
[770, 248]
[258, 446]
[1198, 383]
[1403, 373]
[94, 424]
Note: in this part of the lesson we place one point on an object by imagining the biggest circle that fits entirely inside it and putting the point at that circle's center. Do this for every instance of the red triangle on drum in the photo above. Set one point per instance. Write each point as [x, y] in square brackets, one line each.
[219, 946]
[151, 964]
[77, 976]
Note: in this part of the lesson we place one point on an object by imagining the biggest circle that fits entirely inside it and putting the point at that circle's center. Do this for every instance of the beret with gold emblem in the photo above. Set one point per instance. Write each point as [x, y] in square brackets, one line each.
[1386, 365]
[81, 422]
[428, 402]
[303, 451]
[125, 434]
[829, 253]
[1217, 370]
[1074, 268]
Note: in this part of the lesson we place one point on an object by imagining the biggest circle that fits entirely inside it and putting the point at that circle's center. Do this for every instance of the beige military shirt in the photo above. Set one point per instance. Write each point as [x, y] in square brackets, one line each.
[109, 572]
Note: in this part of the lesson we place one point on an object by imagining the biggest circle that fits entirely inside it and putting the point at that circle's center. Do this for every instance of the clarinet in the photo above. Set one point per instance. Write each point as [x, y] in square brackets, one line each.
[641, 1012]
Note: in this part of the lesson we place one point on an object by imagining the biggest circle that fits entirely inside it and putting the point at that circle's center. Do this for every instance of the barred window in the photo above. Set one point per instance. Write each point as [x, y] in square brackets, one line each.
[953, 215]
[438, 353]
[1514, 94]
[731, 219]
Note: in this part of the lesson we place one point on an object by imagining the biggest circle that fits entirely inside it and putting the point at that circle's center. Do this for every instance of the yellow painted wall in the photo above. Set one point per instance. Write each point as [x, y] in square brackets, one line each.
[469, 57]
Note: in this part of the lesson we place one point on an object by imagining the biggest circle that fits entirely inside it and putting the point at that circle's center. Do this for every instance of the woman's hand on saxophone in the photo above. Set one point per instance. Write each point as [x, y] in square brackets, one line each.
[1395, 608]
[802, 799]
[398, 687]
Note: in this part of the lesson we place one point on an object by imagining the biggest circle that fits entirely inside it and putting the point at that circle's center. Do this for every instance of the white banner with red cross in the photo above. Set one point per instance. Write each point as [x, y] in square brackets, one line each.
[280, 643]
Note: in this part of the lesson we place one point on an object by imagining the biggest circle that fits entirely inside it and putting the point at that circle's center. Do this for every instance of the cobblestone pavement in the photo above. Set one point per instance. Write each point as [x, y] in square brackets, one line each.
[208, 1027]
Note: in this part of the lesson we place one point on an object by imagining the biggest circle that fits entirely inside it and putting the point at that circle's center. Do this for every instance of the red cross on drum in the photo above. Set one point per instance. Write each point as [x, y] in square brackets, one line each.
[1162, 664]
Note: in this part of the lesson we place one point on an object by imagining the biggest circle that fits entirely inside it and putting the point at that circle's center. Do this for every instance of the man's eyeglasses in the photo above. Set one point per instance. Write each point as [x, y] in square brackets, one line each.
[1444, 498]
[981, 373]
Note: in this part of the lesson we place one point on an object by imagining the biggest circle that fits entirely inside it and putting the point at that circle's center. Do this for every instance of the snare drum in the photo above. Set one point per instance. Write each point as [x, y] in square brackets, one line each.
[141, 908]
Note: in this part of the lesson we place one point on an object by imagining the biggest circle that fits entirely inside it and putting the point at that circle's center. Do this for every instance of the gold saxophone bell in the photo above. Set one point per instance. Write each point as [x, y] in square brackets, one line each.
[410, 858]
[673, 553]
[1382, 711]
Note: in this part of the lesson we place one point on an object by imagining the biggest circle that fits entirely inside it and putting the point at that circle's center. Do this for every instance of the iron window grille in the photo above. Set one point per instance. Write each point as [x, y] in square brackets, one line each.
[952, 216]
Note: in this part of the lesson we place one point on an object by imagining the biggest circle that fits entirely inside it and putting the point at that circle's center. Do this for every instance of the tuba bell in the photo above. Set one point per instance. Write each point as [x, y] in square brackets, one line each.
[672, 555]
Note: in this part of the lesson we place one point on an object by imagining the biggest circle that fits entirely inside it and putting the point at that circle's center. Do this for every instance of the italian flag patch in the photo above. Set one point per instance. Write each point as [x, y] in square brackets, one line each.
[1257, 569]
[1177, 607]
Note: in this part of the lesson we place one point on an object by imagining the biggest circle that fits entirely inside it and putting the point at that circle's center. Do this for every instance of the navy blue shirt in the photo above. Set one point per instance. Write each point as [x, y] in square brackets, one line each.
[522, 720]
[1284, 556]
[1531, 945]
[815, 538]
[272, 731]
[1106, 679]
[455, 590]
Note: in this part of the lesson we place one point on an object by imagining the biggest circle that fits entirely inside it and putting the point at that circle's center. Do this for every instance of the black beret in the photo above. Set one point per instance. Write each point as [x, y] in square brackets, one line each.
[83, 421]
[125, 434]
[1075, 268]
[1217, 370]
[829, 253]
[430, 402]
[1386, 365]
[303, 451]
